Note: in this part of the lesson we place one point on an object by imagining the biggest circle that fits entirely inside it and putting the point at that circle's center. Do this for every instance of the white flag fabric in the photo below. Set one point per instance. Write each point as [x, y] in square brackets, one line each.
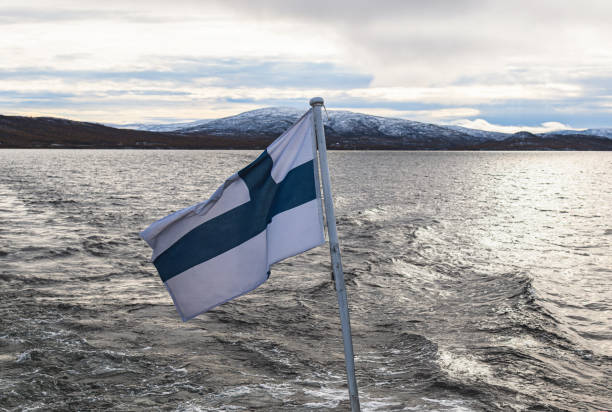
[222, 248]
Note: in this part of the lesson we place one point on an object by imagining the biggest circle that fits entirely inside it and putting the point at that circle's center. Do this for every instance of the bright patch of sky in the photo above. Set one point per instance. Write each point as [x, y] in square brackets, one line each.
[482, 124]
[502, 66]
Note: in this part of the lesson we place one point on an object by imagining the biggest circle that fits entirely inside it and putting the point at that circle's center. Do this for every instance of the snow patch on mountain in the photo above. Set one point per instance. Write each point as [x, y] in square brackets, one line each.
[161, 127]
[349, 123]
[480, 134]
[270, 120]
[601, 132]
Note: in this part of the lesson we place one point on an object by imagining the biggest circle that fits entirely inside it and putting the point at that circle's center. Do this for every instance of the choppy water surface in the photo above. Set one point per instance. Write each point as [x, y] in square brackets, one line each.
[476, 281]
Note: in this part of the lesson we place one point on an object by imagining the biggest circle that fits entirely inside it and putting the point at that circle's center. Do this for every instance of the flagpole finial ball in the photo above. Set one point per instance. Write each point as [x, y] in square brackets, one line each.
[316, 100]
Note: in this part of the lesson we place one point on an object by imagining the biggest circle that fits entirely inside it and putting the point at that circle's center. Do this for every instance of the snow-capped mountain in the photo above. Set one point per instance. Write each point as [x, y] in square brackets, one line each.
[349, 127]
[589, 132]
[599, 132]
[346, 129]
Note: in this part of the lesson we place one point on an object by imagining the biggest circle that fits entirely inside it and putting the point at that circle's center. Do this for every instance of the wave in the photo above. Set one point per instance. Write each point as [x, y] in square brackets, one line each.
[101, 246]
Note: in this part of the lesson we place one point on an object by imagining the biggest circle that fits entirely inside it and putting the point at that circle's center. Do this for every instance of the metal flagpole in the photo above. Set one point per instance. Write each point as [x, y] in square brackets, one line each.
[334, 247]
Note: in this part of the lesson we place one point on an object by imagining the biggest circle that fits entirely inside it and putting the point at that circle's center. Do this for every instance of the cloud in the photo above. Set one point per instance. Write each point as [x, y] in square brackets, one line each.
[428, 43]
[509, 63]
[212, 72]
[21, 15]
[82, 11]
[482, 124]
[449, 113]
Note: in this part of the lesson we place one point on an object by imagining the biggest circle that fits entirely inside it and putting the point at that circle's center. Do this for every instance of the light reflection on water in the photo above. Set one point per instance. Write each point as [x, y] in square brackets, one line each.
[545, 214]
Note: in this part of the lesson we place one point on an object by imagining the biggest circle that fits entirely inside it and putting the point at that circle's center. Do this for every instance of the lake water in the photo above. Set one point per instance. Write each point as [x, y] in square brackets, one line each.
[477, 281]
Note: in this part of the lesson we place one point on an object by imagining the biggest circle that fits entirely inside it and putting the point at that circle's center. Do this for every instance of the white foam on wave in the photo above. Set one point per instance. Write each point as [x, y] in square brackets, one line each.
[115, 353]
[11, 340]
[489, 244]
[525, 342]
[281, 391]
[332, 392]
[106, 369]
[330, 397]
[380, 404]
[409, 270]
[462, 367]
[179, 370]
[49, 334]
[451, 405]
[237, 391]
[22, 357]
[378, 214]
[192, 407]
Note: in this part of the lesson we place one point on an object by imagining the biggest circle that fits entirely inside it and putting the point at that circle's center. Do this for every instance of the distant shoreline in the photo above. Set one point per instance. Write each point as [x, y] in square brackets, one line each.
[335, 149]
[18, 132]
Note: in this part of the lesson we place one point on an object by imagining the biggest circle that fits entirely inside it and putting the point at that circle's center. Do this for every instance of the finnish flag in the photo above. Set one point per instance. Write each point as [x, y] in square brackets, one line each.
[222, 248]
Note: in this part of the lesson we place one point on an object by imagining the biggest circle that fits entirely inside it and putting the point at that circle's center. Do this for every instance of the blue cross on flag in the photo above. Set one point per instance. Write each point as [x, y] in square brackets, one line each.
[222, 248]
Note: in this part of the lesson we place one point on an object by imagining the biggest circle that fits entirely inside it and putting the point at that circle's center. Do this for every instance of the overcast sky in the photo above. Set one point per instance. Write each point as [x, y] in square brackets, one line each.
[499, 65]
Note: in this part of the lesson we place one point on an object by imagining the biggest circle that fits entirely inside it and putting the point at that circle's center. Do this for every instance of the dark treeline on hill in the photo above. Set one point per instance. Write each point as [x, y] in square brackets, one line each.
[529, 141]
[47, 132]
